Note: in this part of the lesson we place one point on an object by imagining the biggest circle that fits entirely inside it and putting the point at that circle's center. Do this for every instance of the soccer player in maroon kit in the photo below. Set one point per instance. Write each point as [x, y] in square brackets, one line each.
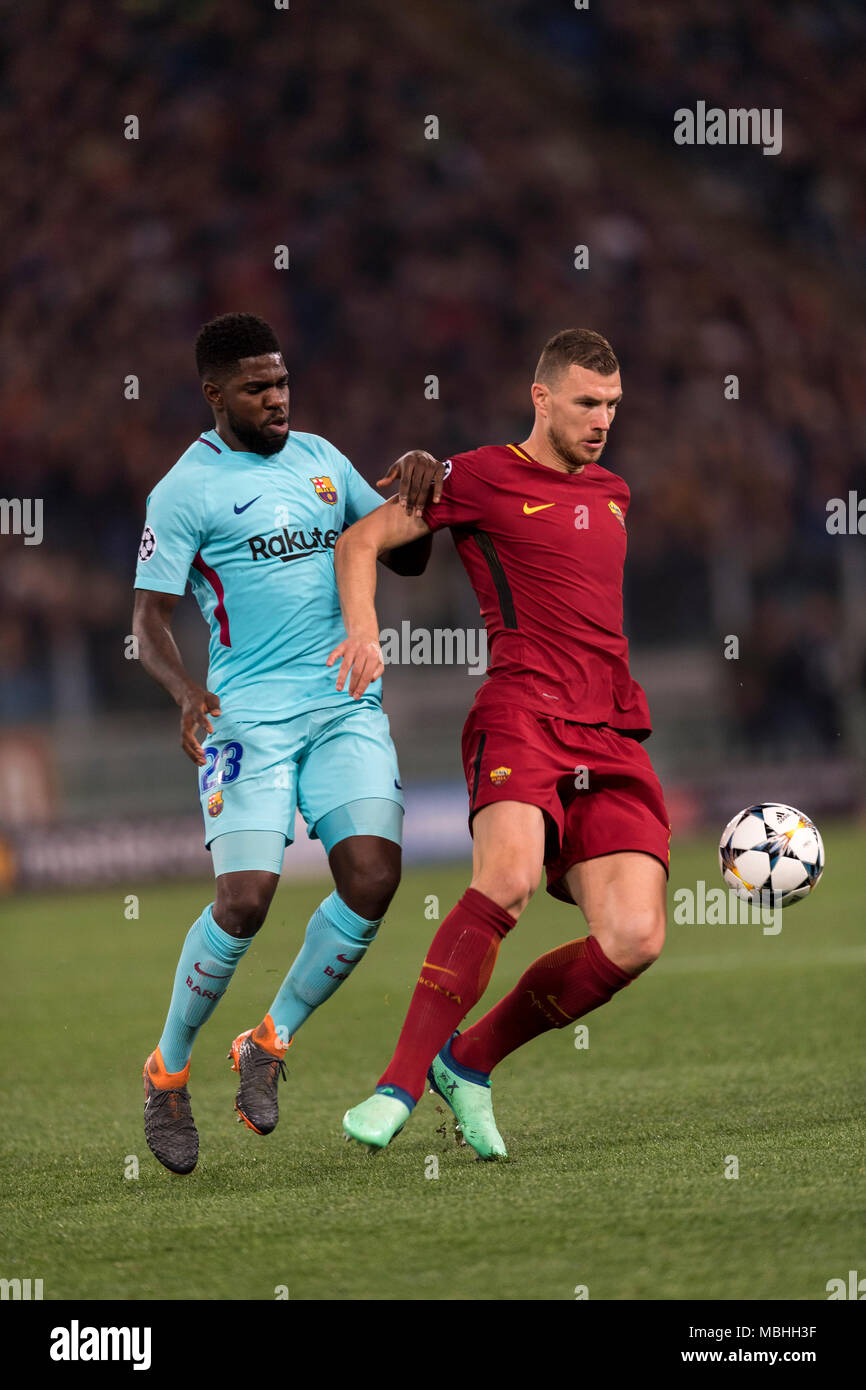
[556, 773]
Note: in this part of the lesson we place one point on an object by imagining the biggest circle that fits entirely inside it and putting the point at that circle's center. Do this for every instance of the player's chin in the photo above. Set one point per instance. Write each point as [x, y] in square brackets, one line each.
[270, 444]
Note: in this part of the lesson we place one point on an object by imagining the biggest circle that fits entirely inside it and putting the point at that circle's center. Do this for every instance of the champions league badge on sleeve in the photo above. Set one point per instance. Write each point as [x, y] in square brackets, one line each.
[147, 547]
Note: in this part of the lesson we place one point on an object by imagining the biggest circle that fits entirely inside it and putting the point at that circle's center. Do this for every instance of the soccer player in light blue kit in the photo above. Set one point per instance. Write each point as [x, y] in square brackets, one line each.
[250, 515]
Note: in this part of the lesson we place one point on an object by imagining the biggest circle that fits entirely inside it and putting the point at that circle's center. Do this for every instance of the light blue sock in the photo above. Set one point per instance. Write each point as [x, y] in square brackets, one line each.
[207, 963]
[335, 940]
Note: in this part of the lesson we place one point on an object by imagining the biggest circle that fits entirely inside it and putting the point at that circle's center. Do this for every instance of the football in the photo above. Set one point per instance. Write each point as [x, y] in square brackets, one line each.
[771, 848]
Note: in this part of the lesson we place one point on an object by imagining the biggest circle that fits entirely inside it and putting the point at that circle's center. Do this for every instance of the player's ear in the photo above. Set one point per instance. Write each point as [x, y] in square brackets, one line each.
[540, 393]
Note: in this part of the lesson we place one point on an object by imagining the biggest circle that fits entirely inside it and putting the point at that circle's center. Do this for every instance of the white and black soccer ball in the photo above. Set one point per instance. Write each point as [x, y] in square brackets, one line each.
[771, 848]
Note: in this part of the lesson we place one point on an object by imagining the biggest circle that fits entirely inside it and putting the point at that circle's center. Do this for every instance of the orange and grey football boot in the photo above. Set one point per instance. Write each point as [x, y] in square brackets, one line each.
[169, 1127]
[257, 1057]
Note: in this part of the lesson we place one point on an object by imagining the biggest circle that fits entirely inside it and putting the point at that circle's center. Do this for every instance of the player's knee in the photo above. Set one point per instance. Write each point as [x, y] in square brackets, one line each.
[367, 887]
[510, 888]
[241, 908]
[644, 940]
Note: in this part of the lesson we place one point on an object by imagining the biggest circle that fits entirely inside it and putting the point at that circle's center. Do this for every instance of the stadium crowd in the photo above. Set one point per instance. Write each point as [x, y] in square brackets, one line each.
[414, 258]
[805, 58]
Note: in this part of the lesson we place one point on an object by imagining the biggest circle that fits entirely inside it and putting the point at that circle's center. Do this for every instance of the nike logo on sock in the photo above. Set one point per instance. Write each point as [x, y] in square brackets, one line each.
[207, 972]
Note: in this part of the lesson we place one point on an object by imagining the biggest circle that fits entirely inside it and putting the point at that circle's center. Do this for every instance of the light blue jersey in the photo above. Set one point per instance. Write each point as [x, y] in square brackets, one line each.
[255, 537]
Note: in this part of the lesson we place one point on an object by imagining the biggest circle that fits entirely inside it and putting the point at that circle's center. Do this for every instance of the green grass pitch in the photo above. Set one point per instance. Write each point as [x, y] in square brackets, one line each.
[734, 1043]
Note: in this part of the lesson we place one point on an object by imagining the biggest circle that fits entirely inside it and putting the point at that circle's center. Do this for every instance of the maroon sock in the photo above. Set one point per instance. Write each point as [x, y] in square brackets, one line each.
[557, 989]
[455, 974]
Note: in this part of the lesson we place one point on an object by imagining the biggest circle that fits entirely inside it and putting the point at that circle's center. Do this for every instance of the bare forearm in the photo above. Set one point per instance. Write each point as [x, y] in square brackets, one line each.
[381, 531]
[161, 659]
[355, 559]
[158, 653]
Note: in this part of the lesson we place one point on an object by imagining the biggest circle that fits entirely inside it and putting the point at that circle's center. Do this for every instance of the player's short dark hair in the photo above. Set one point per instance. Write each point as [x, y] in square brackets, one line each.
[575, 347]
[221, 344]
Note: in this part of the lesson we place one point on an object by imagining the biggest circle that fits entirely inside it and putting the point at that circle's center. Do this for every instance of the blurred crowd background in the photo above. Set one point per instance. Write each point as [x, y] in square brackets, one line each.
[452, 257]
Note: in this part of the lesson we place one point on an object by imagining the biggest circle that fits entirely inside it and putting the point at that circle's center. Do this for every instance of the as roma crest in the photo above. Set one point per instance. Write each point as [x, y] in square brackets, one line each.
[214, 803]
[326, 490]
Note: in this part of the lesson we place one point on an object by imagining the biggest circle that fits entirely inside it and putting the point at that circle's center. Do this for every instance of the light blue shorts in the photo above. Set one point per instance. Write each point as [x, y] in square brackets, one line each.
[259, 773]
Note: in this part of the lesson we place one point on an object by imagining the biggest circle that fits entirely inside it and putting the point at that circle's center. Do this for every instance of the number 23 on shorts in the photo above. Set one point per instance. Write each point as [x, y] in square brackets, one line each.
[221, 766]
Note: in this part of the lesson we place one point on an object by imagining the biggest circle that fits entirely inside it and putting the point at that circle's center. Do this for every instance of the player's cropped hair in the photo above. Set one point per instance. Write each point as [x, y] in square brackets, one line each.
[575, 347]
[221, 344]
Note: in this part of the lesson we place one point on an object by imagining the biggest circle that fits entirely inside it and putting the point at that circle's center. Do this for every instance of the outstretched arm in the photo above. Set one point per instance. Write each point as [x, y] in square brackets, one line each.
[355, 555]
[421, 477]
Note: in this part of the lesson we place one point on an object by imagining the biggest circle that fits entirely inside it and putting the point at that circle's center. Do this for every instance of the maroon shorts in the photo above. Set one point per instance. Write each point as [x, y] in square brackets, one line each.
[596, 787]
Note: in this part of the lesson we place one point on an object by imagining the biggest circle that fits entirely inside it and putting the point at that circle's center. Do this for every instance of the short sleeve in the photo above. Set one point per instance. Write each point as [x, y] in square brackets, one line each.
[462, 501]
[360, 497]
[171, 538]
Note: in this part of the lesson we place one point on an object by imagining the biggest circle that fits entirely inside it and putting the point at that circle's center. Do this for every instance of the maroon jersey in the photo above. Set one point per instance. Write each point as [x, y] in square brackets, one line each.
[544, 552]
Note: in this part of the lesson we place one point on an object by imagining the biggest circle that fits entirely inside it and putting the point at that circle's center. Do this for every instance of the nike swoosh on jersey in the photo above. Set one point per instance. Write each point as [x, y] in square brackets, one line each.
[527, 510]
[238, 509]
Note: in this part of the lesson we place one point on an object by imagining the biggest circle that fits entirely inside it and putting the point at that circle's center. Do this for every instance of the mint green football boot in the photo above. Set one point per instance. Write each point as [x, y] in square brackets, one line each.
[376, 1121]
[467, 1092]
